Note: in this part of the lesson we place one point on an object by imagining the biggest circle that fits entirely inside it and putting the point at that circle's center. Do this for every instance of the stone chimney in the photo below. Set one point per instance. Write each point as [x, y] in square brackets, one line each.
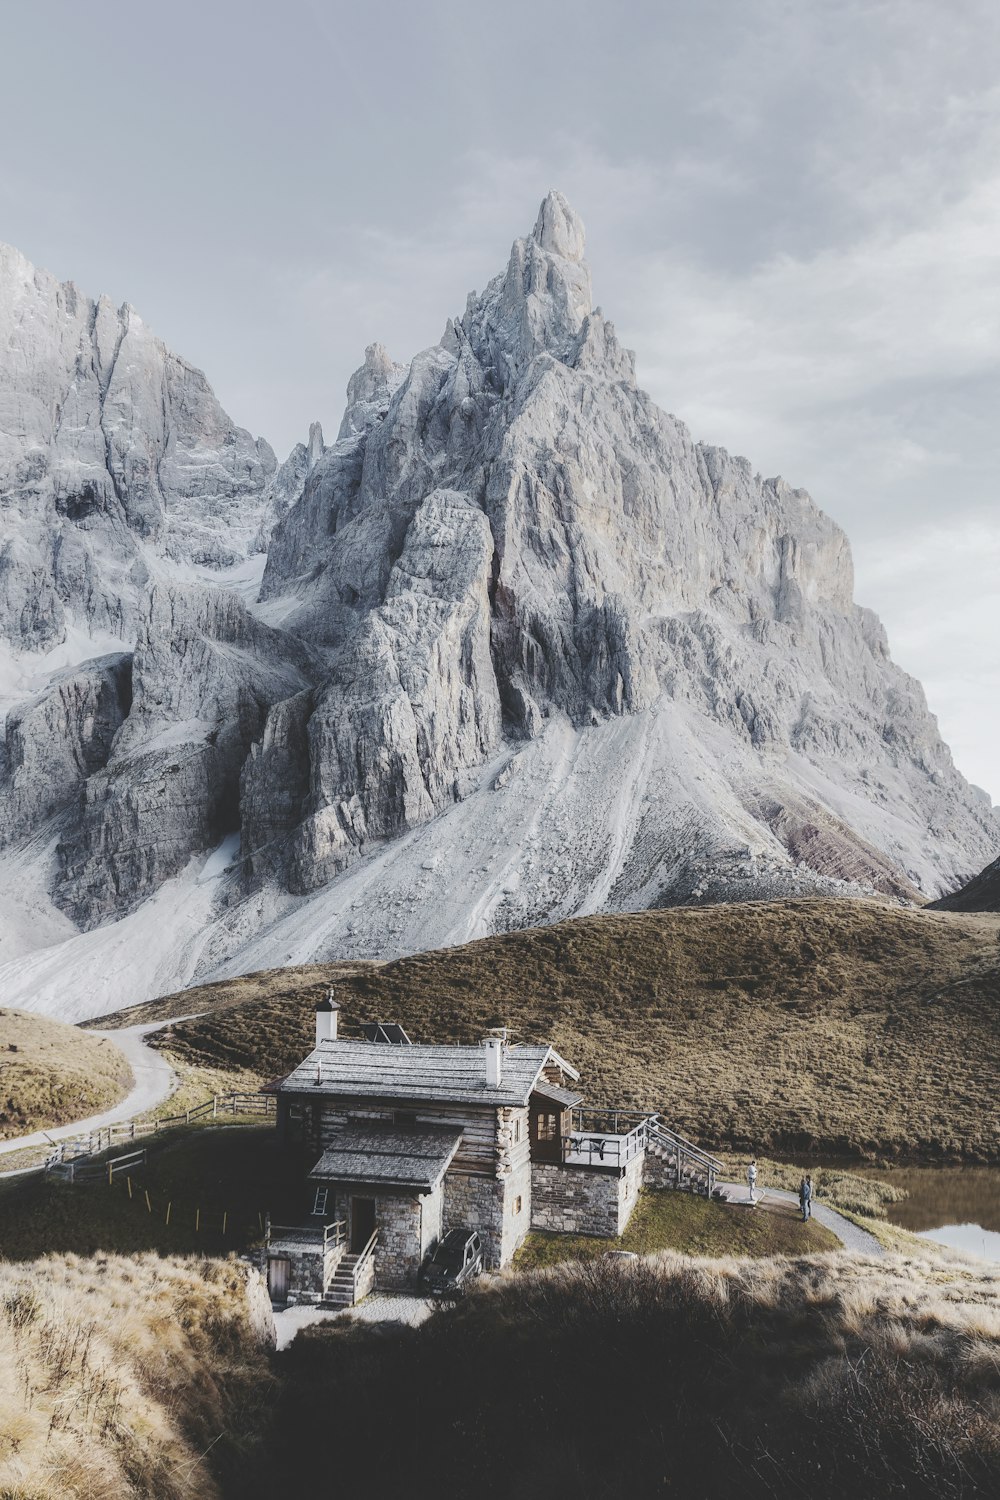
[494, 1046]
[326, 1019]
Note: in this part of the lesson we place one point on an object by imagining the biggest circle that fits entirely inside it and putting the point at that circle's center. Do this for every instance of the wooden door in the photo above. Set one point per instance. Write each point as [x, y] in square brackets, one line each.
[546, 1131]
[362, 1223]
[277, 1277]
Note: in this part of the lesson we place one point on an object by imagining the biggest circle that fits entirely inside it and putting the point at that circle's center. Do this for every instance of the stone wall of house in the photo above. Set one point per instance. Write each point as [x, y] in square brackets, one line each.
[584, 1200]
[491, 1206]
[629, 1185]
[431, 1219]
[516, 1217]
[310, 1267]
[398, 1253]
[475, 1202]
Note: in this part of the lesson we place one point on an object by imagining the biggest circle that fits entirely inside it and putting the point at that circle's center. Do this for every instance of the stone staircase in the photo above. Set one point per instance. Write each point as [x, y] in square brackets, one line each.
[672, 1161]
[353, 1277]
[340, 1292]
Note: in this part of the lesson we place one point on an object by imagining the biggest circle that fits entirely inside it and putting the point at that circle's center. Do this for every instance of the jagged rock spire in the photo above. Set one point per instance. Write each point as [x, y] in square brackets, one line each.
[559, 228]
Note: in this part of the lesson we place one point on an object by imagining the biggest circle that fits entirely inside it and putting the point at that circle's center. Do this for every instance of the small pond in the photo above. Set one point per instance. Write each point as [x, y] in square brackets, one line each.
[956, 1206]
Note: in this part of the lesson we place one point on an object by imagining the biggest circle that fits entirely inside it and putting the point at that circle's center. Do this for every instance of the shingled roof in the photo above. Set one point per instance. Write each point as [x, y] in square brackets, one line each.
[388, 1155]
[372, 1070]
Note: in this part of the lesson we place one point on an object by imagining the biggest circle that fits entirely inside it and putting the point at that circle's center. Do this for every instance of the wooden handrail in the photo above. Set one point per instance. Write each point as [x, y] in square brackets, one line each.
[338, 1228]
[363, 1254]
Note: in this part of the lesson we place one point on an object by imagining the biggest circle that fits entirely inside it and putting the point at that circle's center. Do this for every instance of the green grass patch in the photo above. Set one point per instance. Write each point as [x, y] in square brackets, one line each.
[205, 1174]
[666, 1220]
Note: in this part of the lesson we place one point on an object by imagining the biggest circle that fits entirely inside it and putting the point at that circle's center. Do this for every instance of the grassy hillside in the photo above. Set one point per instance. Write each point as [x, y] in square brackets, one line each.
[219, 1186]
[835, 1026]
[124, 1378]
[51, 1074]
[764, 1379]
[665, 1220]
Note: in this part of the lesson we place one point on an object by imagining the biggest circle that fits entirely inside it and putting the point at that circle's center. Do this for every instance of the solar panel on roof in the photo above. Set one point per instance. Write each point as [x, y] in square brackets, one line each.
[385, 1031]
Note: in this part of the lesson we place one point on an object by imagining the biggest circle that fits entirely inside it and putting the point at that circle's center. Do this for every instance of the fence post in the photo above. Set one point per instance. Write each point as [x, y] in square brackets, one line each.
[197, 1220]
[149, 1206]
[225, 1218]
[110, 1173]
[215, 1106]
[168, 1213]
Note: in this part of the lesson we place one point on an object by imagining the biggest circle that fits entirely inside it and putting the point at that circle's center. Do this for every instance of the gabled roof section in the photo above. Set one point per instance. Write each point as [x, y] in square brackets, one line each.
[348, 1069]
[566, 1097]
[388, 1155]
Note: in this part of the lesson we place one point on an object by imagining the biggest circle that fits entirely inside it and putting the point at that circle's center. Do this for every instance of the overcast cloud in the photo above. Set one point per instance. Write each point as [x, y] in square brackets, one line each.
[793, 214]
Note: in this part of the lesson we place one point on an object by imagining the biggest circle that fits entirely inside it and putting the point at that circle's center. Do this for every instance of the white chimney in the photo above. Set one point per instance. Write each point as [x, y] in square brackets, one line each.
[326, 1019]
[494, 1059]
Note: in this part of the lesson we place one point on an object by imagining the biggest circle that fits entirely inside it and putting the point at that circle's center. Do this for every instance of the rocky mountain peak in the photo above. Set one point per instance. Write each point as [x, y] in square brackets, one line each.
[369, 390]
[559, 228]
[522, 649]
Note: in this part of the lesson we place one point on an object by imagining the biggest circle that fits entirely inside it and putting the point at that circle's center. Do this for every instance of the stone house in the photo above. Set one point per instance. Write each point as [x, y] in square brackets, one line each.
[408, 1141]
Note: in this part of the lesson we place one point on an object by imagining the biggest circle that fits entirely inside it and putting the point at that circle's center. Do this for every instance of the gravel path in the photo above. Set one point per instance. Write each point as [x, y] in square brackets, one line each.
[850, 1235]
[154, 1079]
[380, 1307]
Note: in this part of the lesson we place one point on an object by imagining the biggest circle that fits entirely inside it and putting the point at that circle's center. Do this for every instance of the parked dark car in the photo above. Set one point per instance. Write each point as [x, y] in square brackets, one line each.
[454, 1261]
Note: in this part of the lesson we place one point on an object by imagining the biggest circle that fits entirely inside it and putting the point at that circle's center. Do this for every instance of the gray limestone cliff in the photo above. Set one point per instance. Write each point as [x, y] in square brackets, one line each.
[522, 647]
[114, 452]
[625, 567]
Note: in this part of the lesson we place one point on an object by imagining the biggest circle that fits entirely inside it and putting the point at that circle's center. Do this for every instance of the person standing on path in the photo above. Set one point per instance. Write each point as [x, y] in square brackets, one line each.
[805, 1197]
[752, 1178]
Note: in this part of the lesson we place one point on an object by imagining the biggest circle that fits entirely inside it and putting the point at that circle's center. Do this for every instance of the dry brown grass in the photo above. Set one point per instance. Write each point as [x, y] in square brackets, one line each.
[51, 1073]
[842, 1027]
[830, 1376]
[124, 1377]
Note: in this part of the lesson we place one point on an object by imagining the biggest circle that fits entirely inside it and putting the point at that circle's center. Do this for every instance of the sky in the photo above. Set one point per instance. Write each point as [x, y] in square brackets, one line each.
[792, 211]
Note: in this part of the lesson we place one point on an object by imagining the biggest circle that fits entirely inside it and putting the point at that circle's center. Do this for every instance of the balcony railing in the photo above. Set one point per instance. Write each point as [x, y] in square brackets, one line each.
[322, 1236]
[605, 1138]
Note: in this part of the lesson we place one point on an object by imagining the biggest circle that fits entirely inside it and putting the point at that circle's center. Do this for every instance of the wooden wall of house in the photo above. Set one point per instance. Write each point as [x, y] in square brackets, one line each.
[494, 1140]
[478, 1124]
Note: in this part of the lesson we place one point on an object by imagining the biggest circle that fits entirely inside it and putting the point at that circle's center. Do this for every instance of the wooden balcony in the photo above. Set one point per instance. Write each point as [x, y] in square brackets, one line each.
[608, 1138]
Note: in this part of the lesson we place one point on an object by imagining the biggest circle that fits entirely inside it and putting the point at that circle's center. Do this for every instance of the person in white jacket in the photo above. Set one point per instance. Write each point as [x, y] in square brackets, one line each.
[752, 1179]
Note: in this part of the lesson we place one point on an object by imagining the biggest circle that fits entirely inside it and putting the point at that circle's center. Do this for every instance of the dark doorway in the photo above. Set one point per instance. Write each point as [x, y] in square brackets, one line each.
[362, 1223]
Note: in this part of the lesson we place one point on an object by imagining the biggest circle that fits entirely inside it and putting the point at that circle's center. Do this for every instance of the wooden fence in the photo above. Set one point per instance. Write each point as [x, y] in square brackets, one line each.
[83, 1148]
